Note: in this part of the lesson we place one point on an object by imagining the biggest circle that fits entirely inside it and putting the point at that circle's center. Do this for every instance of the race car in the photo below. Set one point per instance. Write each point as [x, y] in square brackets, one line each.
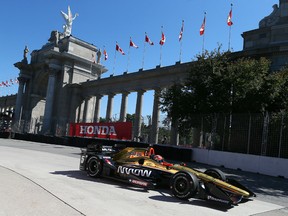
[141, 167]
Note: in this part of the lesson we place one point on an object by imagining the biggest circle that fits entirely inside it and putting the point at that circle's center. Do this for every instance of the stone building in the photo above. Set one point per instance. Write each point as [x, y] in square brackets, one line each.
[45, 91]
[63, 83]
[270, 39]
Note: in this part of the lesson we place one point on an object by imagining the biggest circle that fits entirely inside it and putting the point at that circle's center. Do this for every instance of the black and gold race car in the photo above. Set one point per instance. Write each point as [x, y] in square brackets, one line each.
[141, 167]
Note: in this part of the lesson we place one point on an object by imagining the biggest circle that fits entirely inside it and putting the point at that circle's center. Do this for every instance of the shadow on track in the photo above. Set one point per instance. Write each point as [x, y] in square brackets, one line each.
[164, 194]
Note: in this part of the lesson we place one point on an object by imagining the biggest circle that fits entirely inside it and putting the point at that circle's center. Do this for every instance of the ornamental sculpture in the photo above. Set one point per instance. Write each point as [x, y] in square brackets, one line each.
[69, 20]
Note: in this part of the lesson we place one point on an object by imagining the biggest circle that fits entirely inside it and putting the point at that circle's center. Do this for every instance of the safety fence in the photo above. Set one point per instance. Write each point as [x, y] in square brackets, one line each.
[258, 134]
[248, 133]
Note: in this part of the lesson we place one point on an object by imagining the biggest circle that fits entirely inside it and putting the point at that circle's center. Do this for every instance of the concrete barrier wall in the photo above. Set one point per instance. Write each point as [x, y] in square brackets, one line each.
[251, 163]
[167, 151]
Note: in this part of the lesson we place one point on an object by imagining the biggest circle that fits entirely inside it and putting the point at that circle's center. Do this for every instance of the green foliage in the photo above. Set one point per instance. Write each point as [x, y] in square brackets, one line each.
[217, 83]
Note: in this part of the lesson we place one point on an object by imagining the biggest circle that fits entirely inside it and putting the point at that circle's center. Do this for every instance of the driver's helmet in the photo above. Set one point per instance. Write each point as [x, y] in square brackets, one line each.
[158, 158]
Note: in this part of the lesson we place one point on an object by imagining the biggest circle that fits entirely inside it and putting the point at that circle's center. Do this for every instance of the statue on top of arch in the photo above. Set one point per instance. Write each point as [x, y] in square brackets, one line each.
[69, 21]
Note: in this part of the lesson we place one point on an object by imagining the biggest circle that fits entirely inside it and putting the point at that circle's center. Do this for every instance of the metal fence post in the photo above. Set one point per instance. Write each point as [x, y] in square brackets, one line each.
[249, 134]
[265, 134]
[224, 132]
[280, 137]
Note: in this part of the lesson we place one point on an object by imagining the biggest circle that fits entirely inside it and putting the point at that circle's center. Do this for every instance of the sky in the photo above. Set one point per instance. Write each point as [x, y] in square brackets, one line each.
[102, 23]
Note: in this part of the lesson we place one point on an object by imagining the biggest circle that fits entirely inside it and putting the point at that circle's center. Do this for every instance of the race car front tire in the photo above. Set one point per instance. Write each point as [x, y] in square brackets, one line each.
[94, 166]
[184, 185]
[216, 173]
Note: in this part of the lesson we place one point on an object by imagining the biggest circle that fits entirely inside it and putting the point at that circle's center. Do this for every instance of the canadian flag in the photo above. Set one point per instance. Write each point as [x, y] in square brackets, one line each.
[105, 54]
[132, 44]
[181, 31]
[229, 19]
[147, 39]
[163, 39]
[118, 48]
[202, 28]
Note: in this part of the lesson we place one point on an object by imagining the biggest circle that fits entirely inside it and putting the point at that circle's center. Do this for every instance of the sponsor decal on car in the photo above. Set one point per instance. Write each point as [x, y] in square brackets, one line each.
[137, 182]
[134, 171]
[218, 200]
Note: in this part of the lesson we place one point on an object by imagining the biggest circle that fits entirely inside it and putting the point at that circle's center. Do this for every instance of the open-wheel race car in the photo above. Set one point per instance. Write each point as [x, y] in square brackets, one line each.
[141, 167]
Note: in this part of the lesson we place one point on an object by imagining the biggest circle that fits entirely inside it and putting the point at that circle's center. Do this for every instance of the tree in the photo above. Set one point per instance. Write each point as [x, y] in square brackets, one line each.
[217, 83]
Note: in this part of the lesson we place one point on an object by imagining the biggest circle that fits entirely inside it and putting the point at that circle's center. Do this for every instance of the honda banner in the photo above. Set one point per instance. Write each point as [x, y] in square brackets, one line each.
[113, 130]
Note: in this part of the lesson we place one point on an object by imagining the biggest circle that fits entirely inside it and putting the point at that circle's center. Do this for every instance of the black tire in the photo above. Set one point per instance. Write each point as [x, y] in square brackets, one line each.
[94, 167]
[216, 173]
[184, 185]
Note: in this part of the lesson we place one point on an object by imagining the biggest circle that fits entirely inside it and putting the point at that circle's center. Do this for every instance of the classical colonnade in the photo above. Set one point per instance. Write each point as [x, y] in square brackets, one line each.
[84, 112]
[140, 82]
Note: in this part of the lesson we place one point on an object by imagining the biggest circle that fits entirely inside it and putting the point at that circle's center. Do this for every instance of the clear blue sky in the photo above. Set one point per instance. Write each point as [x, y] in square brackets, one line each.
[102, 23]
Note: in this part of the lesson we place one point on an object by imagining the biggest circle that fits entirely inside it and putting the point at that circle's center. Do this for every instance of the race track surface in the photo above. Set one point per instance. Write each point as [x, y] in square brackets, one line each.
[42, 179]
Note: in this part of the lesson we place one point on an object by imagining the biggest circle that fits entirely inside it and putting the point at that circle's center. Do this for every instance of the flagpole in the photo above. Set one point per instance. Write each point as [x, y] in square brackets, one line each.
[144, 51]
[128, 62]
[230, 27]
[160, 55]
[203, 43]
[161, 47]
[181, 32]
[180, 56]
[114, 60]
[229, 38]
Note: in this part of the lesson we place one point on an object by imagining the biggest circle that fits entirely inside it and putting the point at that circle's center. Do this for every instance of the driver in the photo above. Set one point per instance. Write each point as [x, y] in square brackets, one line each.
[159, 159]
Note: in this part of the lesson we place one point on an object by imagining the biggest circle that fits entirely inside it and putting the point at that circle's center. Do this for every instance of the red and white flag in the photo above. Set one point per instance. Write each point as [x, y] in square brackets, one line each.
[229, 19]
[118, 48]
[11, 81]
[105, 54]
[163, 39]
[181, 31]
[202, 28]
[132, 44]
[147, 39]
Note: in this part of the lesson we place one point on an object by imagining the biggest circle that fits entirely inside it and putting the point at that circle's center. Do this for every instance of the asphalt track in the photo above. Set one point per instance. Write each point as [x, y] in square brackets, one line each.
[41, 179]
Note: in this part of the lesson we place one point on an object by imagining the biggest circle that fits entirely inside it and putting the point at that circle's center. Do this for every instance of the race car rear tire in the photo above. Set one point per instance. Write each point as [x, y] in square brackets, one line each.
[216, 173]
[184, 185]
[94, 166]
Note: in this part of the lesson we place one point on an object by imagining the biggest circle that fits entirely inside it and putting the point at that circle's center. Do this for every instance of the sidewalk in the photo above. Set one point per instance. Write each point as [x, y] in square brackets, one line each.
[20, 196]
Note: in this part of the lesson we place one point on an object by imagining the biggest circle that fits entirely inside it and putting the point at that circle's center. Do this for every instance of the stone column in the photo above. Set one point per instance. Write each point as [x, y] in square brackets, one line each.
[97, 108]
[138, 112]
[85, 110]
[79, 112]
[90, 110]
[123, 107]
[155, 117]
[109, 107]
[46, 129]
[19, 99]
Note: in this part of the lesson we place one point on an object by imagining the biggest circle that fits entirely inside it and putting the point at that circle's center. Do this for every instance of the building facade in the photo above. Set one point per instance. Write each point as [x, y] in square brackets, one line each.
[63, 84]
